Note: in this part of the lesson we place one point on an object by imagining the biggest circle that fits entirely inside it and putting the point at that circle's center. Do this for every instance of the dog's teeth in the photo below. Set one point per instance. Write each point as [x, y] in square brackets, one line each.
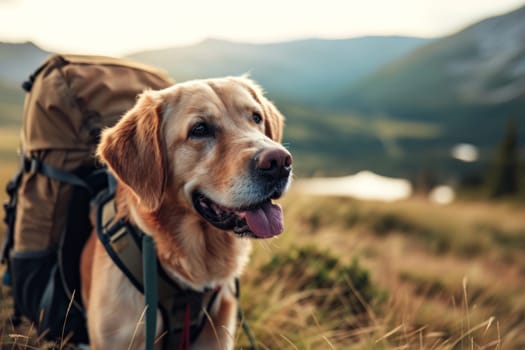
[215, 209]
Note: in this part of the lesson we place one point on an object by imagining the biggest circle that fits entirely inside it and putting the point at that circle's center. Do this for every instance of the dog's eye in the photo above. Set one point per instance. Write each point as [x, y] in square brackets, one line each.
[200, 130]
[257, 118]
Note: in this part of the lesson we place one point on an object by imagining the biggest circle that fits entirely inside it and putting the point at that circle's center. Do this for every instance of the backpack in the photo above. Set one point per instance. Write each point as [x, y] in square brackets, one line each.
[69, 100]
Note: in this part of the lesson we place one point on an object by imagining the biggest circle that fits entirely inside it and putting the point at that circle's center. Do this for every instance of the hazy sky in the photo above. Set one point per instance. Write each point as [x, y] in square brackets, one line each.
[123, 26]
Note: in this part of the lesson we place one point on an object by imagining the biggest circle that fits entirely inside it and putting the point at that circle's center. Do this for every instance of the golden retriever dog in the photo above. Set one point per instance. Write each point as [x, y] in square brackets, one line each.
[197, 167]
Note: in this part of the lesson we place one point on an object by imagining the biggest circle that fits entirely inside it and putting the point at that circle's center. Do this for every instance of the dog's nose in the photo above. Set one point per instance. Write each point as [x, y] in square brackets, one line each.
[274, 163]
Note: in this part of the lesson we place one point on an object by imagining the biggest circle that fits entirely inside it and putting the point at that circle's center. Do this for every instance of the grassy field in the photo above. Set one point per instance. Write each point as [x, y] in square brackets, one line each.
[349, 274]
[375, 141]
[438, 277]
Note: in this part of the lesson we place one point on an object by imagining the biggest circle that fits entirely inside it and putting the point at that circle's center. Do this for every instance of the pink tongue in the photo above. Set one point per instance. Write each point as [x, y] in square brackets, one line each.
[266, 221]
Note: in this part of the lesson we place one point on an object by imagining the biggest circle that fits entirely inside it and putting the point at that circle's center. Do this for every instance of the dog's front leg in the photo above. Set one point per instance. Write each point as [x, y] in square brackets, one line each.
[219, 331]
[115, 308]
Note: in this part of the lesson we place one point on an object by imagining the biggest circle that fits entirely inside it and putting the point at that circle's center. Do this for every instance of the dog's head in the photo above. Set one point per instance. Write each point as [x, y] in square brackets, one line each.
[210, 146]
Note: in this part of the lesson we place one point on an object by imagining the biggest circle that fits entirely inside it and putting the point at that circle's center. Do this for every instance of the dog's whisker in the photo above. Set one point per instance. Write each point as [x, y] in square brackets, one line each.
[266, 244]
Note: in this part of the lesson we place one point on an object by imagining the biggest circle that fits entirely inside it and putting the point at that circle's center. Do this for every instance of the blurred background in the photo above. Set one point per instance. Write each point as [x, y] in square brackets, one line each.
[405, 225]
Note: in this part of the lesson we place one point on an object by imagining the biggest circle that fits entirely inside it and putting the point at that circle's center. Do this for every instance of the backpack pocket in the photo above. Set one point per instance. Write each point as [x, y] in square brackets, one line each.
[39, 295]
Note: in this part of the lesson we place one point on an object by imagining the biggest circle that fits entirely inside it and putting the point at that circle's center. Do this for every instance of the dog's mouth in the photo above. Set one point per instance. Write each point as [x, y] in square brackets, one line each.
[262, 220]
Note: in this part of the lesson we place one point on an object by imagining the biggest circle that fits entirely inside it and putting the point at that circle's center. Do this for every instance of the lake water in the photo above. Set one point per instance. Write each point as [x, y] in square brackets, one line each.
[367, 185]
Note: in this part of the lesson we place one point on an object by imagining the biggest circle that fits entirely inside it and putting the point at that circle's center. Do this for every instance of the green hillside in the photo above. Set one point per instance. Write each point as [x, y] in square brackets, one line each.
[470, 84]
[334, 143]
[11, 101]
[304, 71]
[474, 77]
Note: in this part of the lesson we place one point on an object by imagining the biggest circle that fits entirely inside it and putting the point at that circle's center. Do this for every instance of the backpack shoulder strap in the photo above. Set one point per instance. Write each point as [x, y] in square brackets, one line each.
[120, 240]
[35, 165]
[9, 220]
[182, 309]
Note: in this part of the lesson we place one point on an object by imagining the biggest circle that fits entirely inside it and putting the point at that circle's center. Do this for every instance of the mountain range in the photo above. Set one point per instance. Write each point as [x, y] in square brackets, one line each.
[17, 60]
[474, 75]
[303, 70]
[395, 105]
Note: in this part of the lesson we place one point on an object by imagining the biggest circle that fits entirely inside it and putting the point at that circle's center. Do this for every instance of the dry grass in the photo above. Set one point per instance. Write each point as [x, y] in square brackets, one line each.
[443, 277]
[453, 274]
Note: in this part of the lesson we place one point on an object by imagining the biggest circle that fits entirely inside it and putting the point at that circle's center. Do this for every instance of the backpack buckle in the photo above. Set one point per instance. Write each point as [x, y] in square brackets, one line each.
[32, 165]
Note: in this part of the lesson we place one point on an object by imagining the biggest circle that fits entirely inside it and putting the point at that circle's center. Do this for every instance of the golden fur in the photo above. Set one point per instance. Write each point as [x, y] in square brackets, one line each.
[157, 167]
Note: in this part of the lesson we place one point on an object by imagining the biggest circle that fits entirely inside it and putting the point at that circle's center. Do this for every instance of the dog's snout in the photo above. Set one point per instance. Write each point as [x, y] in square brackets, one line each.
[274, 163]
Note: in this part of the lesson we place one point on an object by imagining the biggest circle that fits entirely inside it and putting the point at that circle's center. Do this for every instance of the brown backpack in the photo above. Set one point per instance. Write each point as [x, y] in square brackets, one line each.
[69, 100]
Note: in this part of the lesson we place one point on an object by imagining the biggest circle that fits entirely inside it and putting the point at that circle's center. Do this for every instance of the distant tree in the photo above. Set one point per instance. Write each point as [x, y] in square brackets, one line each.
[505, 176]
[424, 181]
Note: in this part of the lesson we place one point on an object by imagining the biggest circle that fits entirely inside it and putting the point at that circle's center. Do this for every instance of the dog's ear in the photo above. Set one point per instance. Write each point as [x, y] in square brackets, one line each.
[133, 149]
[273, 119]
